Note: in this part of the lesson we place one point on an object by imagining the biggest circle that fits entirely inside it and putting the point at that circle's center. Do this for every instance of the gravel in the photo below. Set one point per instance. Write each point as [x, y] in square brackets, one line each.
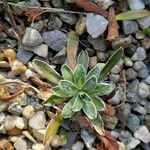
[144, 90]
[2, 117]
[96, 25]
[136, 4]
[131, 74]
[144, 22]
[78, 146]
[55, 39]
[142, 134]
[28, 112]
[133, 143]
[20, 144]
[31, 37]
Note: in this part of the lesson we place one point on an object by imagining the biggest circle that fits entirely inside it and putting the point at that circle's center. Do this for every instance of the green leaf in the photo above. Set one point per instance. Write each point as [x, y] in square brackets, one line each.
[67, 73]
[57, 91]
[79, 75]
[133, 15]
[113, 60]
[46, 71]
[83, 59]
[147, 31]
[99, 103]
[90, 84]
[98, 124]
[54, 100]
[95, 71]
[78, 104]
[52, 128]
[72, 49]
[68, 88]
[67, 111]
[102, 89]
[89, 108]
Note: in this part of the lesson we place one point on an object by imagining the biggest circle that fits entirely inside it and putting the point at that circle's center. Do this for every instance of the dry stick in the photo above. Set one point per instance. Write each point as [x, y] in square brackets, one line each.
[10, 16]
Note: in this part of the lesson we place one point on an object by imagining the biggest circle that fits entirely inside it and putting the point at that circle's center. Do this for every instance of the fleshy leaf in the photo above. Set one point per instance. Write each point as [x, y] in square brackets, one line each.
[67, 111]
[112, 61]
[68, 88]
[90, 84]
[102, 89]
[54, 100]
[133, 15]
[98, 124]
[99, 103]
[52, 128]
[67, 73]
[95, 71]
[79, 75]
[46, 71]
[83, 59]
[57, 91]
[78, 104]
[89, 108]
[72, 49]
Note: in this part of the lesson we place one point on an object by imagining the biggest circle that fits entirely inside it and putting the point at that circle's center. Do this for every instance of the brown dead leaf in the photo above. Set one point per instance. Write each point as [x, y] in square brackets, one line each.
[112, 25]
[5, 145]
[110, 110]
[108, 142]
[33, 14]
[89, 6]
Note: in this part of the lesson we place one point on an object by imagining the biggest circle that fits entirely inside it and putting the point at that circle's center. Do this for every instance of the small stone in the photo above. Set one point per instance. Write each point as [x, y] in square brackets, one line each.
[147, 80]
[23, 55]
[57, 3]
[122, 146]
[54, 23]
[125, 136]
[140, 109]
[140, 54]
[92, 62]
[15, 109]
[32, 37]
[102, 56]
[29, 136]
[144, 22]
[130, 27]
[124, 42]
[38, 120]
[2, 129]
[114, 78]
[55, 39]
[130, 74]
[118, 67]
[144, 90]
[28, 112]
[68, 18]
[133, 122]
[115, 134]
[96, 25]
[143, 73]
[139, 35]
[128, 62]
[2, 117]
[139, 65]
[40, 146]
[147, 121]
[104, 3]
[142, 134]
[57, 141]
[4, 105]
[78, 146]
[20, 144]
[98, 43]
[41, 50]
[88, 138]
[110, 122]
[133, 143]
[116, 99]
[145, 43]
[39, 134]
[136, 4]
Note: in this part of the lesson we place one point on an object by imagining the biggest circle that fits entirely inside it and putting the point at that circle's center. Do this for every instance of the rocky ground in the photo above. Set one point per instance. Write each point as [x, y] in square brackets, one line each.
[23, 120]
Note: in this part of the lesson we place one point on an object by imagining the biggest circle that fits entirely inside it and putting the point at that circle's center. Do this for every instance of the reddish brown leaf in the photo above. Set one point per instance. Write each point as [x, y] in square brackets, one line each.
[110, 110]
[113, 25]
[89, 6]
[33, 14]
[108, 142]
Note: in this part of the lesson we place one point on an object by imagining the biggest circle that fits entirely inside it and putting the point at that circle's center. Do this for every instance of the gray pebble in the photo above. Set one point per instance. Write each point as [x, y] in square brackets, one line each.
[129, 27]
[2, 117]
[146, 43]
[147, 80]
[143, 73]
[114, 78]
[133, 142]
[140, 109]
[15, 109]
[32, 37]
[125, 136]
[131, 74]
[55, 39]
[128, 62]
[133, 122]
[116, 99]
[144, 90]
[140, 54]
[78, 146]
[136, 4]
[139, 35]
[144, 22]
[138, 65]
[118, 67]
